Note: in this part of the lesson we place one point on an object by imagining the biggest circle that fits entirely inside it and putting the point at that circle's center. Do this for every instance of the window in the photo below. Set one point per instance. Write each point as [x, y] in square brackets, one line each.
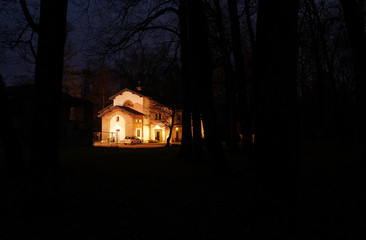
[138, 132]
[76, 113]
[157, 116]
[117, 119]
[128, 103]
[138, 121]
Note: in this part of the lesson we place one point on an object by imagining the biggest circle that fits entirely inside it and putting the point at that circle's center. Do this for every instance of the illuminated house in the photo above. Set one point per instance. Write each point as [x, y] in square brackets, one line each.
[133, 114]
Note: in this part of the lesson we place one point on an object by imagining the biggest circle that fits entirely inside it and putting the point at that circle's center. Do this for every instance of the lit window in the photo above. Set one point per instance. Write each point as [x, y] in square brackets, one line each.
[157, 116]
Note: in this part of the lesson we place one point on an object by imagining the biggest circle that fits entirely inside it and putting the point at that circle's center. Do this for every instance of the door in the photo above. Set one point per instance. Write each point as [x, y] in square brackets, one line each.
[158, 135]
[117, 127]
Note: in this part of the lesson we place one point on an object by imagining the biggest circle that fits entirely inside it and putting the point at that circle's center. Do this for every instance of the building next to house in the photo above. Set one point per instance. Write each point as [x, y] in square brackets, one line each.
[76, 118]
[133, 114]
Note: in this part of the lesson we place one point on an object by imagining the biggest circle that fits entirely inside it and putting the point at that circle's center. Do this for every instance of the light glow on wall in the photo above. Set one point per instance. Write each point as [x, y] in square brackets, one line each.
[117, 125]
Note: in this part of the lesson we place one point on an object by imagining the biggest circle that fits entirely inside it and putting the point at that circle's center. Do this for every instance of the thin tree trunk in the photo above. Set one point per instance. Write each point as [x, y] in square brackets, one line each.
[334, 118]
[14, 161]
[186, 83]
[322, 113]
[202, 70]
[249, 22]
[48, 85]
[356, 32]
[170, 130]
[197, 134]
[244, 114]
[230, 88]
[13, 174]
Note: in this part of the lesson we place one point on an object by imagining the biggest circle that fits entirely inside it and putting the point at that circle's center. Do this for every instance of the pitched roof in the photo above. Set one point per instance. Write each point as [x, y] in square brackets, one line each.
[130, 110]
[124, 90]
[123, 108]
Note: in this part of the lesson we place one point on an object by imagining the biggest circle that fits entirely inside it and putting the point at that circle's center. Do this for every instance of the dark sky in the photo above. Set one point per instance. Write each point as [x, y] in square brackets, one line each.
[83, 21]
[12, 66]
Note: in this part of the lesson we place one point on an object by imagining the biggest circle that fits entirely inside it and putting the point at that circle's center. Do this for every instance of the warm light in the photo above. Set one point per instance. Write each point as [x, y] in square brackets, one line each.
[176, 129]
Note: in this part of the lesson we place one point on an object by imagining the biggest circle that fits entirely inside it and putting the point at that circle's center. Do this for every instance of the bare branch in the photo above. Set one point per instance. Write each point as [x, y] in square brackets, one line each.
[28, 17]
[31, 46]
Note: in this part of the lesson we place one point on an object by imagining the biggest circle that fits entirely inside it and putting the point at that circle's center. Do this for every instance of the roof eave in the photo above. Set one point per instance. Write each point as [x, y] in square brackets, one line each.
[124, 90]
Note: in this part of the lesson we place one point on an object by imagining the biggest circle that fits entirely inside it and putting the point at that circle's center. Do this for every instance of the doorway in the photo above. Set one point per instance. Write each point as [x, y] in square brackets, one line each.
[158, 135]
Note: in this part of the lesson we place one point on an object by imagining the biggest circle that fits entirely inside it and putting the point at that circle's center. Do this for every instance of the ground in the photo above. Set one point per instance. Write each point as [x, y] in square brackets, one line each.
[126, 193]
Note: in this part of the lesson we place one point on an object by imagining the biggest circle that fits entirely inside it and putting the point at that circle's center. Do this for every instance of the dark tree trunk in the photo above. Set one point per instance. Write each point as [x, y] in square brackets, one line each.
[197, 133]
[48, 85]
[14, 161]
[13, 172]
[329, 117]
[186, 82]
[322, 129]
[239, 74]
[334, 112]
[249, 22]
[202, 76]
[356, 32]
[197, 84]
[231, 136]
[170, 130]
[277, 125]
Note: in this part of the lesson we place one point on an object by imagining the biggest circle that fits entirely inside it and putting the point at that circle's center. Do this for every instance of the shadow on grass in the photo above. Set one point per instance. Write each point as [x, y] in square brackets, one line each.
[109, 193]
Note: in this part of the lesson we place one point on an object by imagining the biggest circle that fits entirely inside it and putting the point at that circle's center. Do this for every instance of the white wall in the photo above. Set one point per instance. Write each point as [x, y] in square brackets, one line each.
[118, 126]
[146, 135]
[134, 98]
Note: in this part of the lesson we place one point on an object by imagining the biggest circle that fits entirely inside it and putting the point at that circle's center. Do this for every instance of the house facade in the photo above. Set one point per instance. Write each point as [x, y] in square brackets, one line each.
[133, 114]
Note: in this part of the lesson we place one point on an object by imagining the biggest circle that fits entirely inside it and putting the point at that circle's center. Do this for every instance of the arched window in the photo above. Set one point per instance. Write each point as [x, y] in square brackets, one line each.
[128, 103]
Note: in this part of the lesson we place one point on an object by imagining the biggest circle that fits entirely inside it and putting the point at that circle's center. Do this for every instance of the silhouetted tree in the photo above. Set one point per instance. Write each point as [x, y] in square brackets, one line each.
[276, 120]
[48, 84]
[186, 80]
[327, 110]
[201, 73]
[326, 85]
[231, 133]
[247, 6]
[168, 117]
[245, 116]
[356, 32]
[14, 166]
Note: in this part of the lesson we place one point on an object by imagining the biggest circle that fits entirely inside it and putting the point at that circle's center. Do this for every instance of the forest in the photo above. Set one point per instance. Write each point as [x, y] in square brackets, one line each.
[267, 80]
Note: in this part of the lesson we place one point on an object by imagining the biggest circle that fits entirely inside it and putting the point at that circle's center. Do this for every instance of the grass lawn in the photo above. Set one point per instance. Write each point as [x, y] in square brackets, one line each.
[111, 193]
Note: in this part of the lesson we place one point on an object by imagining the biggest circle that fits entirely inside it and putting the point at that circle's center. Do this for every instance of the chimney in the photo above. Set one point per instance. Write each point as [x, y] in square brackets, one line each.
[139, 87]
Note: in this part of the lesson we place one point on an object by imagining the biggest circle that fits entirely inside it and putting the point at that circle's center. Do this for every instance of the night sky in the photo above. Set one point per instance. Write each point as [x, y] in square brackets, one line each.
[12, 65]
